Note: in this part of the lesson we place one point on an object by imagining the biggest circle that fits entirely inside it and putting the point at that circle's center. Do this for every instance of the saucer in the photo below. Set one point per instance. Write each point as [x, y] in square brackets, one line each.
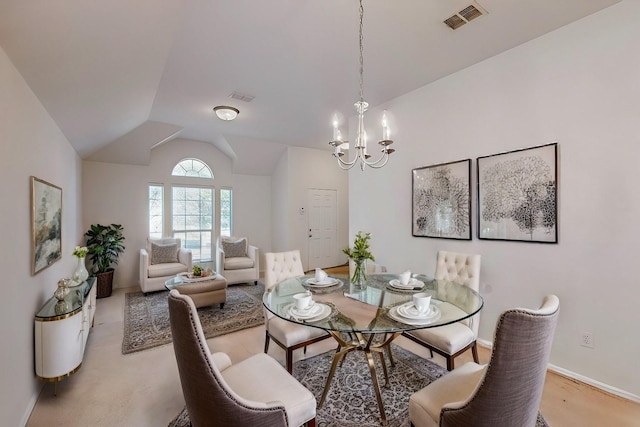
[317, 312]
[329, 281]
[434, 314]
[413, 284]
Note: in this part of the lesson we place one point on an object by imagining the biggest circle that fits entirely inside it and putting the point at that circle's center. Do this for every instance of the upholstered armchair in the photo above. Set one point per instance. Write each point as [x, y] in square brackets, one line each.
[505, 392]
[452, 340]
[237, 260]
[288, 335]
[161, 260]
[254, 392]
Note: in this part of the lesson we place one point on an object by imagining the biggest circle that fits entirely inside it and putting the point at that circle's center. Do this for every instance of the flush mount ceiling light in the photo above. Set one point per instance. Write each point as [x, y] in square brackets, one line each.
[360, 148]
[226, 113]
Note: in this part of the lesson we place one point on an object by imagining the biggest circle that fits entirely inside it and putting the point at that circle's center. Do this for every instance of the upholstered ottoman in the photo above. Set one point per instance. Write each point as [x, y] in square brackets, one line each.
[203, 292]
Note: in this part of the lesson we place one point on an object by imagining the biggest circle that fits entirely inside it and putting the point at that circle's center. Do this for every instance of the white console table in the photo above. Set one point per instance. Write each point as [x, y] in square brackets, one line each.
[61, 332]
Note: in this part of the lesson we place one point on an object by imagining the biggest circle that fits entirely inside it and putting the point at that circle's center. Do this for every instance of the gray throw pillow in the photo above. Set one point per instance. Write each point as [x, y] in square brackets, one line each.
[161, 254]
[234, 249]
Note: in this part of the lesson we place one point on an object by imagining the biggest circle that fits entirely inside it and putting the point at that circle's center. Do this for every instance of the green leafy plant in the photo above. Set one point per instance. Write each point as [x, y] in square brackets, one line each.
[104, 243]
[360, 251]
[197, 270]
[359, 254]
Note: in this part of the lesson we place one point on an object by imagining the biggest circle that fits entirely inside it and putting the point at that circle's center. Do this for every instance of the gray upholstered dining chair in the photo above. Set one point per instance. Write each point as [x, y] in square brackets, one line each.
[288, 335]
[255, 391]
[452, 340]
[505, 392]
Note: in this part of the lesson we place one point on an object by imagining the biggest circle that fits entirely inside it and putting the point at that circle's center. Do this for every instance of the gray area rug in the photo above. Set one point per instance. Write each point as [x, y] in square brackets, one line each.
[351, 401]
[146, 318]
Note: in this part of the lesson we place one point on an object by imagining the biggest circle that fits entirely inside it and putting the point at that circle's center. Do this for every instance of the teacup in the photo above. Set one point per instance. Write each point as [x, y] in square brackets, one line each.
[421, 301]
[303, 301]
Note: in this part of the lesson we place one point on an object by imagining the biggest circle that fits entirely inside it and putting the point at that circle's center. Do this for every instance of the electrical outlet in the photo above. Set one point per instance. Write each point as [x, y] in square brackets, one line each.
[586, 339]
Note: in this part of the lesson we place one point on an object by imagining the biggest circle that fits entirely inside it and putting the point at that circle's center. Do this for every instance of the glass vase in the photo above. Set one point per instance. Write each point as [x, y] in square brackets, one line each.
[80, 274]
[359, 276]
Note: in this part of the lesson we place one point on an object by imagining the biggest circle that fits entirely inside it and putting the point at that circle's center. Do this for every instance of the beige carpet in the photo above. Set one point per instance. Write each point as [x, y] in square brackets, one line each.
[146, 318]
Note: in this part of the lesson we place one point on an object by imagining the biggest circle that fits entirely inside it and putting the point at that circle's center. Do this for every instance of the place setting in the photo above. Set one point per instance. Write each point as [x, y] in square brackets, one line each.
[406, 283]
[306, 309]
[322, 280]
[419, 311]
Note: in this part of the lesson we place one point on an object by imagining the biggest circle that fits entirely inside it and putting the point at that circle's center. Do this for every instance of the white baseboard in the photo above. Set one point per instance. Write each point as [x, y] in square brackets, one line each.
[575, 376]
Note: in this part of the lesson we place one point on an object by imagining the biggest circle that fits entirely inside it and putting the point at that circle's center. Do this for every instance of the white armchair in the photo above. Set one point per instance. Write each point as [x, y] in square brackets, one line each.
[237, 260]
[161, 260]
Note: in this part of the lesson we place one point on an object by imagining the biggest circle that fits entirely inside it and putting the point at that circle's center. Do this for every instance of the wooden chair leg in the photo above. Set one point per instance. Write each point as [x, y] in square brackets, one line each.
[311, 423]
[290, 360]
[474, 350]
[449, 363]
[267, 338]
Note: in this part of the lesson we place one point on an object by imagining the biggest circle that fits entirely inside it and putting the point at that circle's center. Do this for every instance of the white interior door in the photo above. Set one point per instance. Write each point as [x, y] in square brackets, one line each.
[322, 228]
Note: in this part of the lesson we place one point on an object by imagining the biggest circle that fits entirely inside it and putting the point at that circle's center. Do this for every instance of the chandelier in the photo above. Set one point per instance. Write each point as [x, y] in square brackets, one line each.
[360, 148]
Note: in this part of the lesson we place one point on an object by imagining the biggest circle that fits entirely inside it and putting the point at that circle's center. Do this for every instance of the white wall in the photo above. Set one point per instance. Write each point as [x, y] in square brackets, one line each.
[115, 193]
[316, 169]
[32, 144]
[579, 86]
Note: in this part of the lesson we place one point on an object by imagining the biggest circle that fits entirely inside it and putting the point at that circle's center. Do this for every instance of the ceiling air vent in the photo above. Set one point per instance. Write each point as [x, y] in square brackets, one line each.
[467, 14]
[241, 96]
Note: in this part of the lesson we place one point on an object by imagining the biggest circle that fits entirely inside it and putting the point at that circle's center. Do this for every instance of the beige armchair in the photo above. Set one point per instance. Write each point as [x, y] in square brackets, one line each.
[161, 260]
[505, 392]
[254, 392]
[237, 260]
[454, 339]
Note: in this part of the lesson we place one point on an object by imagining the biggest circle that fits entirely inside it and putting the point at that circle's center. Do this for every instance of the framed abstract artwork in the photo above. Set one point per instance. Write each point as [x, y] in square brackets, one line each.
[46, 224]
[442, 201]
[518, 195]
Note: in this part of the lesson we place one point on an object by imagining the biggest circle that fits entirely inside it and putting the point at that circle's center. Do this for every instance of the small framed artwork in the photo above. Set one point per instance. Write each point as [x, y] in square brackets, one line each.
[442, 201]
[46, 224]
[518, 195]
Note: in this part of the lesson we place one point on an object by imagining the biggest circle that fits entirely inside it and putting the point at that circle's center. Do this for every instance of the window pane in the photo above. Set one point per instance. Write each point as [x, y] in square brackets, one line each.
[156, 206]
[193, 168]
[193, 218]
[225, 212]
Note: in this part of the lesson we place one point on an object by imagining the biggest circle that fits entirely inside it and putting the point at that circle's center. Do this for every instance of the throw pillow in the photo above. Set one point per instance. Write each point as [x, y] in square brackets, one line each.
[234, 249]
[161, 254]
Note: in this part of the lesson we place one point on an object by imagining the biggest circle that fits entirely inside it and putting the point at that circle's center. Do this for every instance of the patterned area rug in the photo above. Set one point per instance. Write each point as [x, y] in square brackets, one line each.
[351, 401]
[146, 318]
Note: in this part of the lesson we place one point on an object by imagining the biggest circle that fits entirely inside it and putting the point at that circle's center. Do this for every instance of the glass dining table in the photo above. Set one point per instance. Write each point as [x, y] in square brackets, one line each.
[368, 317]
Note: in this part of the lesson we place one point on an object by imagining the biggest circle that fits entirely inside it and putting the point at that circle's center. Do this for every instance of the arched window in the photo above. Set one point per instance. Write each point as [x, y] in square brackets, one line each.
[192, 167]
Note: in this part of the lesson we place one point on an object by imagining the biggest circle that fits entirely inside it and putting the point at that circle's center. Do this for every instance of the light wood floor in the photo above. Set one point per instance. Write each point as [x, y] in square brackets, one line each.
[143, 389]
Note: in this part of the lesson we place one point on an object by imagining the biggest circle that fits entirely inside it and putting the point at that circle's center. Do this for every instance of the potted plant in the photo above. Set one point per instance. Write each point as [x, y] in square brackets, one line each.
[360, 253]
[104, 243]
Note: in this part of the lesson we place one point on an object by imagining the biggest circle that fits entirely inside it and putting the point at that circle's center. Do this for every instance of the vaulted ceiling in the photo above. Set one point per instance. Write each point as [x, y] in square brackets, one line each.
[122, 76]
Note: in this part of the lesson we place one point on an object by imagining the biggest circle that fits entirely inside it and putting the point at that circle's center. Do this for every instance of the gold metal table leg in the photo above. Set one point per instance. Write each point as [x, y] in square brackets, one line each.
[368, 347]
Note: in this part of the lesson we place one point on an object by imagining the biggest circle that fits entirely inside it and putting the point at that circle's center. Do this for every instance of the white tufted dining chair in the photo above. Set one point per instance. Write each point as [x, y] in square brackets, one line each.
[454, 339]
[288, 335]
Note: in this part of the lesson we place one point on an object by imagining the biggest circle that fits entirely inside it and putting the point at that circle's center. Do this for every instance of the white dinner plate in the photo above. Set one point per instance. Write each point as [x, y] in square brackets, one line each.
[434, 315]
[413, 284]
[317, 312]
[329, 281]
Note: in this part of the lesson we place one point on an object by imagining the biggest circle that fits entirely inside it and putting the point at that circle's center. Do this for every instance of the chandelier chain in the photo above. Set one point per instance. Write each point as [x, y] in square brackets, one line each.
[361, 53]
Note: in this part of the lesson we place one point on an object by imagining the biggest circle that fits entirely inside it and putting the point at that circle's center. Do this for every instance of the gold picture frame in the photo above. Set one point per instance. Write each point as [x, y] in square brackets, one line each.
[46, 224]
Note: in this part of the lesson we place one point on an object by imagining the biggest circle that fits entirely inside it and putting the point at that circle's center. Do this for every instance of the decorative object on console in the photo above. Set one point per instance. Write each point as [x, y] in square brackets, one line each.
[518, 195]
[441, 205]
[360, 254]
[226, 113]
[104, 243]
[46, 224]
[62, 290]
[80, 274]
[361, 138]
